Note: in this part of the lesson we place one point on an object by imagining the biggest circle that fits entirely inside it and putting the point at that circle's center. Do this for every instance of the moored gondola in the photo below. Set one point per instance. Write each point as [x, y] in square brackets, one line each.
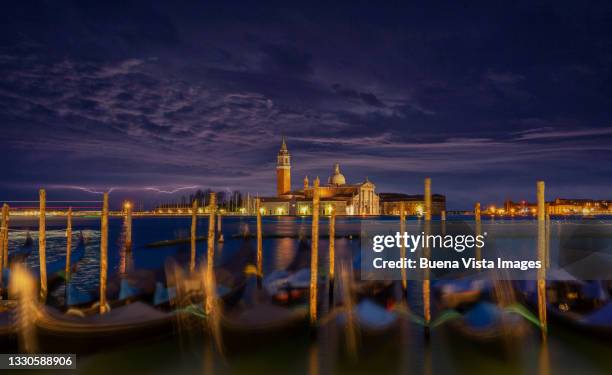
[21, 253]
[135, 322]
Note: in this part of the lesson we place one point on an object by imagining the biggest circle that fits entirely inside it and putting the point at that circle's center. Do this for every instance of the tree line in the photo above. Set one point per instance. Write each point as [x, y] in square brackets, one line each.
[229, 200]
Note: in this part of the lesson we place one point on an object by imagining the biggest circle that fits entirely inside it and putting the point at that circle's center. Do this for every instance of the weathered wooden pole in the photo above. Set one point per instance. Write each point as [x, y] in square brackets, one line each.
[103, 254]
[426, 281]
[4, 243]
[259, 243]
[544, 359]
[4, 237]
[403, 271]
[2, 229]
[351, 323]
[68, 241]
[547, 235]
[314, 252]
[128, 225]
[42, 243]
[541, 212]
[477, 214]
[194, 225]
[219, 233]
[428, 198]
[332, 252]
[210, 254]
[443, 222]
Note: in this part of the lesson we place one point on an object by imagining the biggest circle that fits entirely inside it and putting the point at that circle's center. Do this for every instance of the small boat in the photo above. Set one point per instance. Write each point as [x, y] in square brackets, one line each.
[56, 271]
[163, 296]
[291, 286]
[372, 318]
[28, 241]
[174, 242]
[487, 322]
[75, 297]
[370, 328]
[582, 305]
[20, 254]
[376, 289]
[230, 278]
[598, 321]
[83, 299]
[453, 293]
[127, 324]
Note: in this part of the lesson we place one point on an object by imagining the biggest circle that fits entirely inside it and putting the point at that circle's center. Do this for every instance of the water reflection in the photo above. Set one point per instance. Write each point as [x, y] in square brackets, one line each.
[284, 254]
[543, 359]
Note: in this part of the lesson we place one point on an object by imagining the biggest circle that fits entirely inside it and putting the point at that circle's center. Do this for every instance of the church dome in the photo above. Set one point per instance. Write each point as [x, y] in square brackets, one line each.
[337, 178]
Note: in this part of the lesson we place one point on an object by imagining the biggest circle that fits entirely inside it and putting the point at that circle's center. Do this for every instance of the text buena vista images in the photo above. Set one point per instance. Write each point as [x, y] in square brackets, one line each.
[458, 243]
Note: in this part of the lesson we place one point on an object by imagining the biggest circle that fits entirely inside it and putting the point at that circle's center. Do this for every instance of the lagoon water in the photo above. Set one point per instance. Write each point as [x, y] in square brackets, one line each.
[567, 351]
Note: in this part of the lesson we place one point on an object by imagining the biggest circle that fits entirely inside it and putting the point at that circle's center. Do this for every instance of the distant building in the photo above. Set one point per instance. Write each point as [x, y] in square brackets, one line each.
[346, 199]
[518, 208]
[413, 204]
[283, 170]
[561, 206]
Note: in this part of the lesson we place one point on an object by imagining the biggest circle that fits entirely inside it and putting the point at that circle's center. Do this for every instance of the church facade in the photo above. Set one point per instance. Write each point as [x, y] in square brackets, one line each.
[337, 195]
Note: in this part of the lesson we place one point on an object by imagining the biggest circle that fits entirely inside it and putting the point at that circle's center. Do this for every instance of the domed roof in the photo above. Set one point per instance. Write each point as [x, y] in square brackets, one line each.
[337, 178]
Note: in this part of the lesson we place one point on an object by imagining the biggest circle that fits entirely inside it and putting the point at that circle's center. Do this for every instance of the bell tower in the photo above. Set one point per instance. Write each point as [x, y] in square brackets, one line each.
[283, 170]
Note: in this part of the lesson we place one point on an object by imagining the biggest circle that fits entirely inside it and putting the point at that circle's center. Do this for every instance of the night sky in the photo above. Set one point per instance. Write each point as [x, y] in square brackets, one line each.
[485, 98]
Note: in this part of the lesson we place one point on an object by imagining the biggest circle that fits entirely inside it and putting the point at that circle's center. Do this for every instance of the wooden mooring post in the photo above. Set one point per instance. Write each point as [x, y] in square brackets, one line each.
[42, 243]
[68, 242]
[103, 305]
[128, 224]
[426, 250]
[403, 271]
[332, 253]
[259, 260]
[541, 214]
[194, 226]
[210, 252]
[4, 244]
[314, 253]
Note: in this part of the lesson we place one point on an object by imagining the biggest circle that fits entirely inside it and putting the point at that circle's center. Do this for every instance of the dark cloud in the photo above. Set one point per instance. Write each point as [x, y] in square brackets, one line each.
[366, 97]
[286, 60]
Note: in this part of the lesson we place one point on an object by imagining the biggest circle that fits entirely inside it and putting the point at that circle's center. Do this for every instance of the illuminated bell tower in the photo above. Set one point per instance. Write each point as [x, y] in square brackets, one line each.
[283, 170]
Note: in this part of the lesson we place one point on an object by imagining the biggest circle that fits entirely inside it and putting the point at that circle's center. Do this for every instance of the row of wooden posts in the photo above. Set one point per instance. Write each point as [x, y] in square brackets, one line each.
[426, 286]
[314, 266]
